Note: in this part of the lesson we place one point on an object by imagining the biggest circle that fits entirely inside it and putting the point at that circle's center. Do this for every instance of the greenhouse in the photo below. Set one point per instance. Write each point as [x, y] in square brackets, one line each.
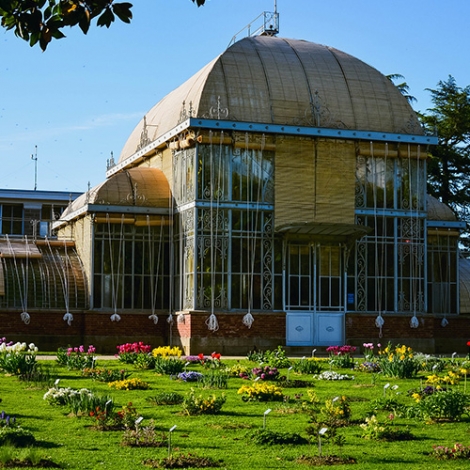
[276, 197]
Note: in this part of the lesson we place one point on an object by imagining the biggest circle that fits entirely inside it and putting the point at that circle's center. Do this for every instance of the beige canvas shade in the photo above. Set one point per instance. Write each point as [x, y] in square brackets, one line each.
[19, 249]
[283, 81]
[139, 186]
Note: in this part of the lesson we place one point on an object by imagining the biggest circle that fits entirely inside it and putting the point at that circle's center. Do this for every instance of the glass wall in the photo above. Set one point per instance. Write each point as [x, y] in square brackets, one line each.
[227, 236]
[387, 269]
[131, 266]
[442, 272]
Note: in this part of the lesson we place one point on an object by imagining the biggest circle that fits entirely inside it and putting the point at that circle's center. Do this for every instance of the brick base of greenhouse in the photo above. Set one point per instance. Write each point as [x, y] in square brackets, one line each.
[49, 331]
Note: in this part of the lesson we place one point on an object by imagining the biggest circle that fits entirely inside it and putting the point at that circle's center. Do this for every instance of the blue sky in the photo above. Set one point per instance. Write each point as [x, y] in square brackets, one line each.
[80, 100]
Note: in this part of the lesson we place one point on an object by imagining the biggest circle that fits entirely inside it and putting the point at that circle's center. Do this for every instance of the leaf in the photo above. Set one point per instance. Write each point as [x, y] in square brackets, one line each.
[34, 38]
[106, 18]
[123, 11]
[84, 22]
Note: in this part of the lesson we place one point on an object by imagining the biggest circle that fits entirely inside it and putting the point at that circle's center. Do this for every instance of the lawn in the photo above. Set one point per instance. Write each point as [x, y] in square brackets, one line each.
[368, 419]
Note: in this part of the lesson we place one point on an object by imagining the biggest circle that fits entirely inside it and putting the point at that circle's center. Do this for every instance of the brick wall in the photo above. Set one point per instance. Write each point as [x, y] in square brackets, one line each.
[429, 337]
[49, 331]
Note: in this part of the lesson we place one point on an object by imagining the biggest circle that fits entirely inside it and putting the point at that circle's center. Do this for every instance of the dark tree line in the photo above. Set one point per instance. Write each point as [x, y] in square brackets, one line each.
[449, 163]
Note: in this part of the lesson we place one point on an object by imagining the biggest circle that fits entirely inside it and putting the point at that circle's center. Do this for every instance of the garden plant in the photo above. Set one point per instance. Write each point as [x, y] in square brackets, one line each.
[218, 412]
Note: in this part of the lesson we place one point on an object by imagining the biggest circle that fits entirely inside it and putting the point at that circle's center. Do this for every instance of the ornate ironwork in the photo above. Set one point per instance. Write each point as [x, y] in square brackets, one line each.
[185, 113]
[319, 115]
[217, 112]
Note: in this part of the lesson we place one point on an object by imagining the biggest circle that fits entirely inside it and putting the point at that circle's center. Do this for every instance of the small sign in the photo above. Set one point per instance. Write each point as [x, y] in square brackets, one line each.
[322, 431]
[173, 428]
[139, 420]
[267, 411]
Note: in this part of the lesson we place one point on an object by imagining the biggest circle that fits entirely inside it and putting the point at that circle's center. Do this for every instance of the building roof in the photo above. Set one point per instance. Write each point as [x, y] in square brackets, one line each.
[282, 81]
[139, 186]
[437, 210]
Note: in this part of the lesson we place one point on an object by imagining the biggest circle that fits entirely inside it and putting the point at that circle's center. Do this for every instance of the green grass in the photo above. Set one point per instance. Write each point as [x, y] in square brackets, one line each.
[72, 442]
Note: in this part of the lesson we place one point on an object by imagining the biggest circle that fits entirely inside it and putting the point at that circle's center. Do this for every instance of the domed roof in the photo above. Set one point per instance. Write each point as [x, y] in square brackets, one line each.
[437, 210]
[282, 81]
[139, 186]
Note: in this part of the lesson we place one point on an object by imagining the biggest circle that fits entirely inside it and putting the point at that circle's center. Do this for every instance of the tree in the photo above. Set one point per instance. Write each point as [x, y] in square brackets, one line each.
[403, 87]
[40, 21]
[449, 163]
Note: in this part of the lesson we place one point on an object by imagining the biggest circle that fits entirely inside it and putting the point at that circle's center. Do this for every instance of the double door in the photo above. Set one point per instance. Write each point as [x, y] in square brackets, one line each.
[314, 294]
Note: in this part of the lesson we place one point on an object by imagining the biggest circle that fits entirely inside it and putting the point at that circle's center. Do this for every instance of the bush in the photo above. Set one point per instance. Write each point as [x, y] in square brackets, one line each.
[39, 376]
[183, 461]
[28, 457]
[310, 365]
[79, 401]
[76, 358]
[18, 359]
[167, 351]
[16, 436]
[368, 366]
[129, 384]
[144, 361]
[265, 373]
[128, 352]
[166, 398]
[214, 379]
[190, 376]
[276, 358]
[457, 451]
[168, 366]
[106, 418]
[143, 436]
[106, 375]
[332, 375]
[337, 409]
[428, 363]
[341, 356]
[261, 392]
[266, 437]
[195, 405]
[238, 370]
[442, 405]
[398, 362]
[371, 429]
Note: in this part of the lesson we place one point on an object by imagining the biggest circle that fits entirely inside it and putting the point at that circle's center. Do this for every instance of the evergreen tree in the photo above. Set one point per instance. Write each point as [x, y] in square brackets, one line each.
[449, 163]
